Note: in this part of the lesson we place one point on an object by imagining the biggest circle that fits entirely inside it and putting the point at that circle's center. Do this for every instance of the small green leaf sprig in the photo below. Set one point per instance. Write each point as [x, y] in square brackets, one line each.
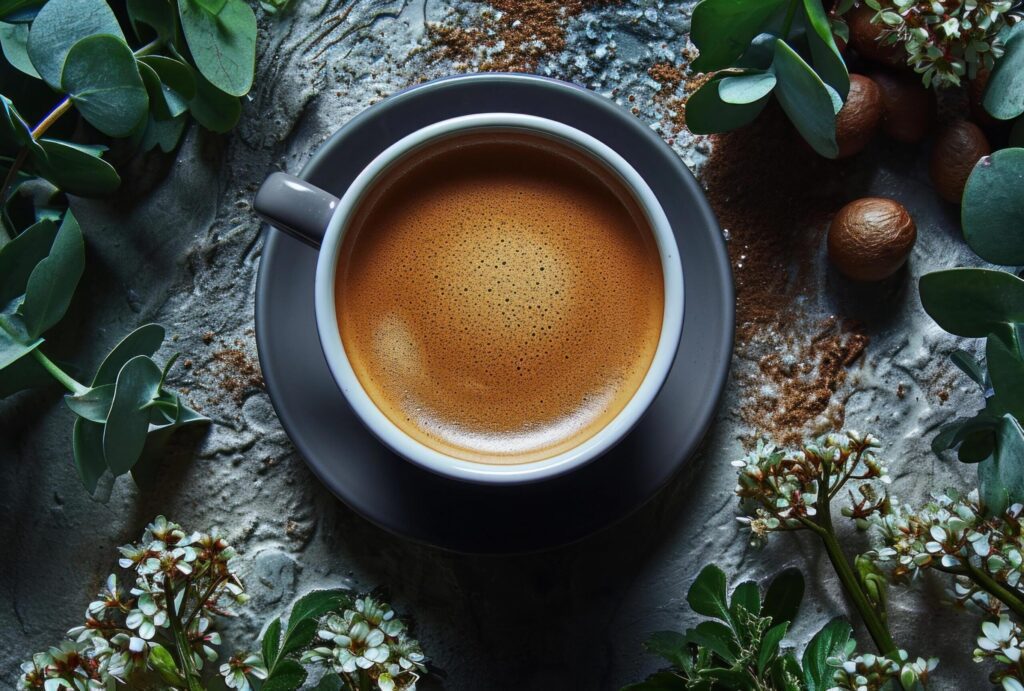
[783, 490]
[946, 40]
[161, 632]
[756, 48]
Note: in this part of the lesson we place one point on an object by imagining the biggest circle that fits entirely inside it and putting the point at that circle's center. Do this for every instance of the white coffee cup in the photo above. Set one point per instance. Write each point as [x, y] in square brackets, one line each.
[320, 219]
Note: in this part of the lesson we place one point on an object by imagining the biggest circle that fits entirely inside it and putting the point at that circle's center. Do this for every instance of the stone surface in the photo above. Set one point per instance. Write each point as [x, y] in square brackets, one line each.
[181, 246]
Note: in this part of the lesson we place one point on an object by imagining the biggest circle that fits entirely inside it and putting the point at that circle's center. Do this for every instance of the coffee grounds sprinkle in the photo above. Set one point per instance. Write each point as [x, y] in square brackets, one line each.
[240, 374]
[766, 187]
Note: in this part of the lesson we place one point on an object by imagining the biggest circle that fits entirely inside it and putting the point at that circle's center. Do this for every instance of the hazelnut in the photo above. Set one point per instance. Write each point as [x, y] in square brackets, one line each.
[860, 116]
[870, 238]
[865, 37]
[907, 107]
[957, 149]
[976, 97]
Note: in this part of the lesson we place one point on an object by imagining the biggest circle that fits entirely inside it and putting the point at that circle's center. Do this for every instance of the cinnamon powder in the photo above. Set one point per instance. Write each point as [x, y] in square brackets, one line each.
[773, 198]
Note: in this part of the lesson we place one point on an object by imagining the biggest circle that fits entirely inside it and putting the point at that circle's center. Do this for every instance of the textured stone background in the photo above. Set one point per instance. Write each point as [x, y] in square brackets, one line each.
[181, 246]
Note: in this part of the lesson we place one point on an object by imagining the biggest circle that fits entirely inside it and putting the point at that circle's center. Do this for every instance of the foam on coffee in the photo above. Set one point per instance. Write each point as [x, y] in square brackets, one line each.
[500, 298]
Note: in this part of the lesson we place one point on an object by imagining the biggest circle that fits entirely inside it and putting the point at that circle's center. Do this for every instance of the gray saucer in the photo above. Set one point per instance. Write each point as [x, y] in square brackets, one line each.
[415, 503]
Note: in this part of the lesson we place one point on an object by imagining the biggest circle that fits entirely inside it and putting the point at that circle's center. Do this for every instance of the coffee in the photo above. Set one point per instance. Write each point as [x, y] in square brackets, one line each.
[499, 296]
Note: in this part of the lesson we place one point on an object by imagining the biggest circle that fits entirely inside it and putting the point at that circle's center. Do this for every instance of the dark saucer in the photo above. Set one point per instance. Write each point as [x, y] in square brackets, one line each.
[420, 505]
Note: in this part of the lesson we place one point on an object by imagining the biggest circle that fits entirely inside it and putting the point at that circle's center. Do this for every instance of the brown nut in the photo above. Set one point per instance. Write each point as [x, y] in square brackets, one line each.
[871, 238]
[857, 122]
[907, 107]
[957, 149]
[865, 38]
[976, 96]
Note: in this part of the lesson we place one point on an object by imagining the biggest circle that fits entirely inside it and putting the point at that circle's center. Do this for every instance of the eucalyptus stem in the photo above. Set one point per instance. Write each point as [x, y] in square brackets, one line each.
[54, 115]
[188, 665]
[57, 373]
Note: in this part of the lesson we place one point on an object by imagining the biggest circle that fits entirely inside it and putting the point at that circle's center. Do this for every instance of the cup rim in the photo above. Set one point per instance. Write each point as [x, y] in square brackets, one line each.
[363, 405]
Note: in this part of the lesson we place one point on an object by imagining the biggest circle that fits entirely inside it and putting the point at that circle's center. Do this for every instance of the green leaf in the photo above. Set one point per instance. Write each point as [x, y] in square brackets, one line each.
[162, 661]
[966, 363]
[746, 88]
[14, 41]
[770, 646]
[272, 642]
[973, 302]
[156, 14]
[707, 113]
[782, 600]
[212, 6]
[15, 343]
[746, 595]
[163, 133]
[21, 255]
[124, 435]
[60, 25]
[19, 10]
[102, 79]
[212, 108]
[664, 680]
[77, 169]
[145, 340]
[707, 594]
[828, 62]
[976, 445]
[1007, 372]
[53, 281]
[94, 404]
[1002, 481]
[957, 432]
[176, 75]
[671, 646]
[992, 213]
[831, 640]
[1004, 94]
[723, 29]
[287, 676]
[806, 100]
[23, 373]
[316, 604]
[716, 637]
[299, 636]
[330, 682]
[222, 45]
[169, 83]
[87, 446]
[784, 671]
[14, 131]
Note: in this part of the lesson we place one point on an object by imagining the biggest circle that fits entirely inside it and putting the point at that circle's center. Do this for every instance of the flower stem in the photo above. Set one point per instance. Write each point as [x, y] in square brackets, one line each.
[996, 589]
[188, 665]
[57, 373]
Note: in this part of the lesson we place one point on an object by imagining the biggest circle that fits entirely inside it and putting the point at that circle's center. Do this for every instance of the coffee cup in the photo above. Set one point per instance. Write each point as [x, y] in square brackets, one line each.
[331, 224]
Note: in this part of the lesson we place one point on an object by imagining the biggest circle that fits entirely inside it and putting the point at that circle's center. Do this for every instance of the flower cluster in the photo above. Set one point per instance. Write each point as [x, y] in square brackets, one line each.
[781, 489]
[946, 40]
[1003, 642]
[368, 641]
[181, 579]
[874, 672]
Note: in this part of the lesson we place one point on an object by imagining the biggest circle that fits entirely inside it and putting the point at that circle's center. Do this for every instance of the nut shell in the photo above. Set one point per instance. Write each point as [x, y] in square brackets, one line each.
[871, 238]
[865, 35]
[976, 96]
[907, 107]
[858, 121]
[957, 149]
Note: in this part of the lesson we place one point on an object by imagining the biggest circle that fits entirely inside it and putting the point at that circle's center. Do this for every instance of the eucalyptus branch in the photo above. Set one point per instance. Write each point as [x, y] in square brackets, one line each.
[57, 373]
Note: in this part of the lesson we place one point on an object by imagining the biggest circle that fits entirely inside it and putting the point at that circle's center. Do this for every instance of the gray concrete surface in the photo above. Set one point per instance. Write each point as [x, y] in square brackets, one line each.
[180, 245]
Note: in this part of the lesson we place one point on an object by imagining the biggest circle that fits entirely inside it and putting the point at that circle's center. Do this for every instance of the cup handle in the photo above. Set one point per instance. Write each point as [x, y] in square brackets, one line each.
[296, 207]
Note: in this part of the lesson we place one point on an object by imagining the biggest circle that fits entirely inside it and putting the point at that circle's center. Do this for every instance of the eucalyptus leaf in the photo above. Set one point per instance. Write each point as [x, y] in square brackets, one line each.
[15, 131]
[15, 343]
[746, 88]
[21, 255]
[783, 597]
[212, 108]
[723, 29]
[769, 649]
[956, 433]
[14, 41]
[158, 15]
[163, 133]
[77, 169]
[94, 404]
[1002, 477]
[966, 363]
[124, 435]
[831, 640]
[212, 6]
[158, 104]
[992, 213]
[102, 79]
[223, 45]
[23, 373]
[145, 340]
[1004, 94]
[61, 24]
[1007, 372]
[707, 594]
[52, 283]
[175, 74]
[19, 10]
[87, 447]
[973, 302]
[976, 445]
[707, 113]
[806, 100]
[828, 62]
[671, 646]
